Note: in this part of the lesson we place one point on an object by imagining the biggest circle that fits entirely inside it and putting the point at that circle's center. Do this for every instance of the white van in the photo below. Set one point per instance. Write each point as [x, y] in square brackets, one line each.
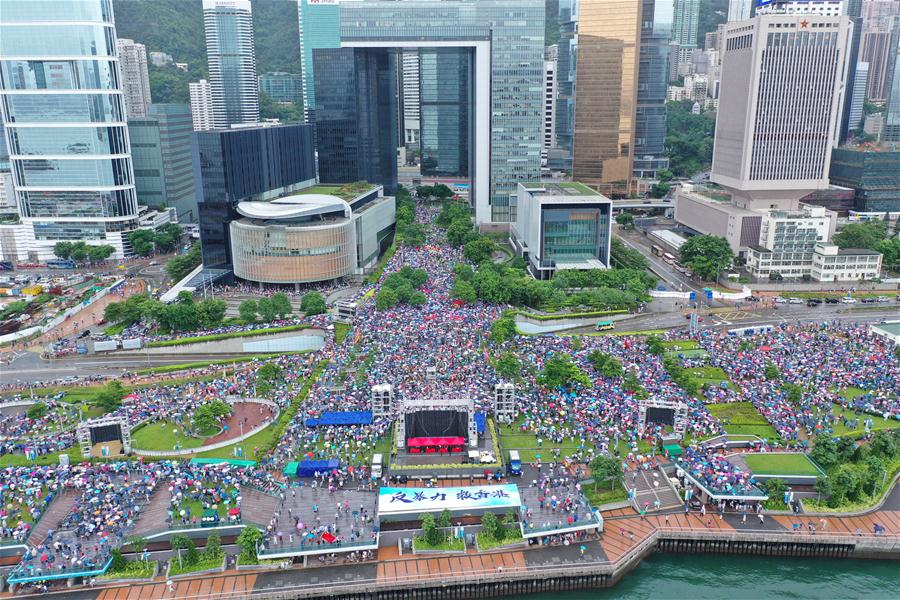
[376, 466]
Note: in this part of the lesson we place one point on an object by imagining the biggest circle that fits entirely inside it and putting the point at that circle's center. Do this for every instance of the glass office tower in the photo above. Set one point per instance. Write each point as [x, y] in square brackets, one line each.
[320, 27]
[445, 101]
[64, 118]
[508, 41]
[653, 75]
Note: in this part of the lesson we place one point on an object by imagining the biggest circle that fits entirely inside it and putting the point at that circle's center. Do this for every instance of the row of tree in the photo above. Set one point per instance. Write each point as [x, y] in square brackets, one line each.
[145, 242]
[179, 266]
[876, 235]
[82, 252]
[402, 287]
[855, 472]
[706, 255]
[185, 314]
[278, 306]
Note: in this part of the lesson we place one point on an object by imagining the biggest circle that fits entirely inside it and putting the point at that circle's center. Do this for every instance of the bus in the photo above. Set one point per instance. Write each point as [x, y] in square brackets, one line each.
[604, 326]
[669, 258]
[657, 251]
[515, 464]
[60, 263]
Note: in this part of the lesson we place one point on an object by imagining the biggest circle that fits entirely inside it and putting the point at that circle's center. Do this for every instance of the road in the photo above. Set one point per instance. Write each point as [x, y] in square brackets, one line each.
[671, 278]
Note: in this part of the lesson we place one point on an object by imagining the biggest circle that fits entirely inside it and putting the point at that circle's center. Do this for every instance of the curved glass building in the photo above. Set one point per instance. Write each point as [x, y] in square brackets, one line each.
[65, 123]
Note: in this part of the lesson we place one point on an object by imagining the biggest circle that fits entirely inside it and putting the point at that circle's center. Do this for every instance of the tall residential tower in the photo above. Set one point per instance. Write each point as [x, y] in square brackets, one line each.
[135, 77]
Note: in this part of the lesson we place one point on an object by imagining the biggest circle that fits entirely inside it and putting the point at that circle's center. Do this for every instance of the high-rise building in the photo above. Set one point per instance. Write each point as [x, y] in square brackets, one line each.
[232, 62]
[824, 8]
[873, 172]
[606, 86]
[409, 96]
[320, 27]
[891, 131]
[502, 41]
[446, 99]
[782, 81]
[135, 77]
[282, 87]
[653, 72]
[684, 33]
[853, 10]
[881, 26]
[161, 152]
[566, 64]
[201, 105]
[64, 117]
[356, 130]
[549, 103]
[246, 163]
[855, 119]
[739, 10]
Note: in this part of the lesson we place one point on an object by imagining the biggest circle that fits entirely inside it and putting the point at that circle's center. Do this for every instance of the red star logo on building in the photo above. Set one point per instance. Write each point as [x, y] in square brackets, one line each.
[804, 23]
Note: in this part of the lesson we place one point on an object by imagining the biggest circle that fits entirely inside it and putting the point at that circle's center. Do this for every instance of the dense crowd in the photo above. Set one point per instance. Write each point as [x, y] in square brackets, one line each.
[717, 474]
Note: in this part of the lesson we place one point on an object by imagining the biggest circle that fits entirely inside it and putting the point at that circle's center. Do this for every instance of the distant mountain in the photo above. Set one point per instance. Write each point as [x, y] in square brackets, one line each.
[176, 27]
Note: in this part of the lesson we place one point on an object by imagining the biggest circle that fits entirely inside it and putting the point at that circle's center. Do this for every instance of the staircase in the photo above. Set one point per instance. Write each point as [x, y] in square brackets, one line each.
[56, 512]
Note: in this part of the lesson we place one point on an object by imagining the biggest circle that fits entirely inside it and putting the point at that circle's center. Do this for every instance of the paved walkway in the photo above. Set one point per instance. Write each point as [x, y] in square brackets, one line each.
[229, 584]
[59, 508]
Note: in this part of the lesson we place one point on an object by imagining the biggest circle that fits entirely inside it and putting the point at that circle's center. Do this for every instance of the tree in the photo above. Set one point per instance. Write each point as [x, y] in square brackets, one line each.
[608, 366]
[36, 411]
[561, 372]
[689, 138]
[386, 298]
[248, 541]
[824, 451]
[659, 190]
[118, 561]
[430, 532]
[110, 397]
[884, 444]
[775, 489]
[416, 299]
[508, 366]
[793, 392]
[864, 235]
[444, 519]
[503, 329]
[463, 290]
[491, 526]
[890, 249]
[479, 249]
[207, 416]
[141, 241]
[213, 548]
[606, 468]
[771, 372]
[313, 303]
[269, 372]
[655, 345]
[626, 220]
[211, 312]
[179, 266]
[706, 255]
[247, 311]
[266, 309]
[459, 232]
[63, 250]
[99, 253]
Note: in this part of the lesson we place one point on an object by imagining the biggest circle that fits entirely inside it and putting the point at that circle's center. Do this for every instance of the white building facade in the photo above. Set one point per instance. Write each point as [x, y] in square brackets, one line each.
[135, 77]
[549, 105]
[201, 105]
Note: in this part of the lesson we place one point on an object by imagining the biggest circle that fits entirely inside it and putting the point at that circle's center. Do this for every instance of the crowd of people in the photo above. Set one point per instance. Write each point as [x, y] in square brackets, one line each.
[717, 474]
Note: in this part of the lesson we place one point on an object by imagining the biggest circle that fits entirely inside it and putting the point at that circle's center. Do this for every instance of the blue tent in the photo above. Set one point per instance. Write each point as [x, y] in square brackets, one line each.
[479, 422]
[359, 417]
[308, 468]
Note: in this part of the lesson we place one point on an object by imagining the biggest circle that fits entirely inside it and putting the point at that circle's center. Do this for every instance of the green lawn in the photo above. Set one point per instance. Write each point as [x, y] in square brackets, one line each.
[340, 332]
[135, 569]
[780, 464]
[877, 422]
[527, 445]
[602, 494]
[163, 435]
[512, 536]
[742, 418]
[19, 460]
[195, 507]
[681, 345]
[448, 544]
[224, 336]
[204, 564]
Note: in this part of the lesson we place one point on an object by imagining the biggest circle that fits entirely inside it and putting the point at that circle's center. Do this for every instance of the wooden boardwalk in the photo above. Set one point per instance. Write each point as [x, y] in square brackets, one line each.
[391, 568]
[231, 584]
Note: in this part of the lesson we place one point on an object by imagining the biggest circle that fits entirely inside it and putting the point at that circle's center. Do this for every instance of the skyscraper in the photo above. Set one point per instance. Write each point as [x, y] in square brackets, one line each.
[282, 87]
[135, 77]
[684, 33]
[739, 10]
[64, 117]
[606, 83]
[779, 106]
[409, 93]
[566, 67]
[892, 107]
[320, 27]
[232, 62]
[653, 72]
[549, 103]
[201, 105]
[445, 103]
[881, 22]
[857, 101]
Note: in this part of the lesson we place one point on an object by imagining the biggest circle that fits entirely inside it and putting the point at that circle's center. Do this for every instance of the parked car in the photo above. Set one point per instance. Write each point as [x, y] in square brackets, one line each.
[813, 302]
[795, 300]
[779, 300]
[868, 300]
[848, 300]
[882, 299]
[831, 300]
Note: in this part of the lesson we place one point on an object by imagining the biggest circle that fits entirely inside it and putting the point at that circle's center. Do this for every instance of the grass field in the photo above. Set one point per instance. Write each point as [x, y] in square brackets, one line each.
[527, 444]
[340, 332]
[681, 345]
[780, 464]
[742, 418]
[877, 422]
[163, 436]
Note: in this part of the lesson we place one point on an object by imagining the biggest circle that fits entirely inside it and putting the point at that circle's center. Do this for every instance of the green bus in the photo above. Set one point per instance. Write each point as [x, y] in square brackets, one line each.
[604, 325]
